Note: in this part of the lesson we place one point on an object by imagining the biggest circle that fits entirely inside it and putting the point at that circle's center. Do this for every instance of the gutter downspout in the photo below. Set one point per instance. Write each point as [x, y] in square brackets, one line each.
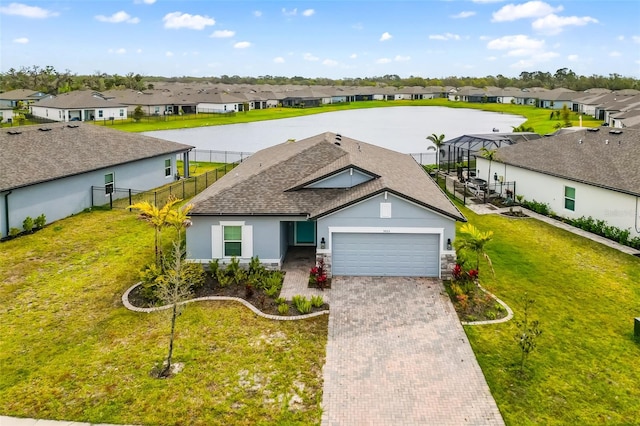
[6, 212]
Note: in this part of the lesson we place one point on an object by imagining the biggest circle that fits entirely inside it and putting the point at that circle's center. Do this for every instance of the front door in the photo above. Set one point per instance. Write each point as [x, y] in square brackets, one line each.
[305, 233]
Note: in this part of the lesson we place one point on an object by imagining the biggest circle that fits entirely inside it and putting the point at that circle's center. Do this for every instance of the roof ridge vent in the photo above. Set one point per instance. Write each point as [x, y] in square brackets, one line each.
[14, 132]
[615, 132]
[44, 129]
[72, 126]
[593, 129]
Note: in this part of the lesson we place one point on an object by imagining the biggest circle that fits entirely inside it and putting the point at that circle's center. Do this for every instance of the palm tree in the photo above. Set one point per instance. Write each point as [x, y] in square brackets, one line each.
[488, 154]
[475, 241]
[179, 219]
[437, 140]
[158, 218]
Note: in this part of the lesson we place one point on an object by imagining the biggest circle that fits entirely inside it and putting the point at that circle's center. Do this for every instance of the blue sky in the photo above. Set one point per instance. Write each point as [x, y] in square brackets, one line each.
[333, 39]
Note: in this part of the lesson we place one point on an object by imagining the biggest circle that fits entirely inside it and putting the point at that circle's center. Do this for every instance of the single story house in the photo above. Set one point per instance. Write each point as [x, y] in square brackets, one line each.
[152, 102]
[367, 210]
[462, 148]
[592, 172]
[81, 105]
[6, 114]
[51, 169]
[26, 97]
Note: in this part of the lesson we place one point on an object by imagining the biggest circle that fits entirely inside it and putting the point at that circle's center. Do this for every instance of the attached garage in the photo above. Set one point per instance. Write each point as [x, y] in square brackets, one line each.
[386, 254]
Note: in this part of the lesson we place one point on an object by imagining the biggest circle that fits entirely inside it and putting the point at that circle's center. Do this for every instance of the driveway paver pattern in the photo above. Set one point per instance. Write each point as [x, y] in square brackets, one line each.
[397, 355]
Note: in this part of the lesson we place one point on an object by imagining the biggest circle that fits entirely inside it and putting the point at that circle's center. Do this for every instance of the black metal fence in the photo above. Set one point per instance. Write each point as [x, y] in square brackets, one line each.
[122, 198]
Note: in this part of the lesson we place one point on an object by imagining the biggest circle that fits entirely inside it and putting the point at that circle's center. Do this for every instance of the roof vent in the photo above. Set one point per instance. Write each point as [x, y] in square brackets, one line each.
[615, 132]
[580, 141]
[72, 126]
[14, 132]
[593, 129]
[44, 129]
[337, 143]
[606, 141]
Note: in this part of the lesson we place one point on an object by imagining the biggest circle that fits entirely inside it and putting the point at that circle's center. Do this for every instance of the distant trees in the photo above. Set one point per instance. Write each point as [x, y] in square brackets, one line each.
[49, 80]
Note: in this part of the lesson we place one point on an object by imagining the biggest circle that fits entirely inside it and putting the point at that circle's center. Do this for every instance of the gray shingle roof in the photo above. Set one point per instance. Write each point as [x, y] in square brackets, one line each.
[268, 183]
[614, 165]
[79, 99]
[35, 156]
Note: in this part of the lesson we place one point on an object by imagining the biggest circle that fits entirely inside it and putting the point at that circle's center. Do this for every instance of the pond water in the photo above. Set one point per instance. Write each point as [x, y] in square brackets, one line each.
[402, 129]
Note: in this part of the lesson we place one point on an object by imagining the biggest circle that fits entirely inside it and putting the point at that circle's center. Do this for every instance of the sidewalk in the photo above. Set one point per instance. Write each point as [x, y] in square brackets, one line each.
[490, 208]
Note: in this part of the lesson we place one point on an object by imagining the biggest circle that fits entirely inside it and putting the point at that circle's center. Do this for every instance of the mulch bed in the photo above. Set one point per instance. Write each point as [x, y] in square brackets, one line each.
[211, 287]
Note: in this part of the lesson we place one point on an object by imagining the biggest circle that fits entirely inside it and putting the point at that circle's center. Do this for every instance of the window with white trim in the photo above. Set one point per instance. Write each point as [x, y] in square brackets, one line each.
[100, 114]
[569, 198]
[167, 168]
[121, 112]
[109, 183]
[232, 241]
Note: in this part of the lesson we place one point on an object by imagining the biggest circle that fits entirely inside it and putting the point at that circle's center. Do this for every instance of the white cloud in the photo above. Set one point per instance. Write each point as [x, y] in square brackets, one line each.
[515, 42]
[462, 15]
[330, 62]
[310, 57]
[144, 1]
[353, 56]
[385, 36]
[292, 12]
[383, 61]
[117, 18]
[484, 38]
[242, 45]
[120, 51]
[444, 37]
[278, 60]
[19, 9]
[492, 58]
[21, 40]
[554, 24]
[531, 9]
[257, 13]
[620, 38]
[139, 51]
[572, 58]
[177, 20]
[636, 39]
[308, 12]
[615, 54]
[168, 54]
[400, 58]
[222, 34]
[357, 26]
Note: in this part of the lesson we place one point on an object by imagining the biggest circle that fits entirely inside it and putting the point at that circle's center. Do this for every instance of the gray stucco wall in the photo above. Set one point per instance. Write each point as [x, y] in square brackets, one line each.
[64, 197]
[267, 233]
[403, 214]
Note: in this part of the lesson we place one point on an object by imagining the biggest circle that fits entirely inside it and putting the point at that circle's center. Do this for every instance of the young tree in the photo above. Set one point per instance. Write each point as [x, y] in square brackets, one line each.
[173, 289]
[437, 140]
[527, 334]
[138, 113]
[474, 241]
[565, 113]
[158, 218]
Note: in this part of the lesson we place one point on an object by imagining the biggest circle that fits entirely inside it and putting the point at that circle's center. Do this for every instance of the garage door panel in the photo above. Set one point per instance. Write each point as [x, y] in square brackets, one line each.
[385, 254]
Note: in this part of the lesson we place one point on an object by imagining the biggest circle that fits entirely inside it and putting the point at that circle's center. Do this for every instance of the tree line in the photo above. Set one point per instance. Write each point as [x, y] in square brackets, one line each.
[49, 80]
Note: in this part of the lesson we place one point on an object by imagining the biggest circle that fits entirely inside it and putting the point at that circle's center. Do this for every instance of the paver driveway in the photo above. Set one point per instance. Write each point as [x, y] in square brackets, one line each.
[397, 355]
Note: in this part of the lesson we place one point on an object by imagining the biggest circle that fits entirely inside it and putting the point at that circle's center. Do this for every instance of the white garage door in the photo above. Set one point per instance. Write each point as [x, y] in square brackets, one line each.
[397, 255]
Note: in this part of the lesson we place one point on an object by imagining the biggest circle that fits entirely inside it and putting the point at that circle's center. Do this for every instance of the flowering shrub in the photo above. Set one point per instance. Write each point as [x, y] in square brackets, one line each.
[459, 274]
[318, 276]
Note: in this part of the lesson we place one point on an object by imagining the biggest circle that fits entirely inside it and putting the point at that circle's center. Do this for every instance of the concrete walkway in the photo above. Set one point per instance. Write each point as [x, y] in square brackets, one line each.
[397, 355]
[13, 421]
[296, 265]
[490, 208]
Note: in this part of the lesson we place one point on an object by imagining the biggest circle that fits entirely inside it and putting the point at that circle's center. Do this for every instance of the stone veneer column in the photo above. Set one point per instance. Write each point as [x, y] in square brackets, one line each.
[447, 262]
[326, 257]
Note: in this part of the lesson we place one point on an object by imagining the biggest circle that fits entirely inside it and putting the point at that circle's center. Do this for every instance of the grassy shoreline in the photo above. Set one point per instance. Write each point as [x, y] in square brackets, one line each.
[538, 118]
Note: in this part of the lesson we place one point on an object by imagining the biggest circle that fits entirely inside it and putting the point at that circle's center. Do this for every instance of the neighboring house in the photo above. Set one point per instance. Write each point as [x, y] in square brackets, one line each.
[366, 209]
[81, 105]
[460, 149]
[153, 102]
[6, 114]
[51, 169]
[593, 172]
[25, 96]
[219, 102]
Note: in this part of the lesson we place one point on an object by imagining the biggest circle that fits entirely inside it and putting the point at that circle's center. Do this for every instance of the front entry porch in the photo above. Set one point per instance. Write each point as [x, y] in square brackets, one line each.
[297, 263]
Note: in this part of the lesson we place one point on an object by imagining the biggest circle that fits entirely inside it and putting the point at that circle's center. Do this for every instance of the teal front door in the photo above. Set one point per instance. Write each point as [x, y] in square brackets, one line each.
[305, 233]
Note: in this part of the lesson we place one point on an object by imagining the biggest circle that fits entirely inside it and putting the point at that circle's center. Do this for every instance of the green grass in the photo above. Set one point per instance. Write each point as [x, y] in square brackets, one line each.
[70, 350]
[198, 167]
[538, 118]
[586, 369]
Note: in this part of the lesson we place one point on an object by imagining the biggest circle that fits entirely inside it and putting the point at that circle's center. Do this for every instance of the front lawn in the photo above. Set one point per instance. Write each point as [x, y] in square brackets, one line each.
[70, 350]
[586, 368]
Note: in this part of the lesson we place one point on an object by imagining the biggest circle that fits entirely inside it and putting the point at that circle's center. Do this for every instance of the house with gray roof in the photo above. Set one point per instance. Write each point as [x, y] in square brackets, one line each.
[592, 172]
[51, 169]
[80, 105]
[12, 98]
[367, 210]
